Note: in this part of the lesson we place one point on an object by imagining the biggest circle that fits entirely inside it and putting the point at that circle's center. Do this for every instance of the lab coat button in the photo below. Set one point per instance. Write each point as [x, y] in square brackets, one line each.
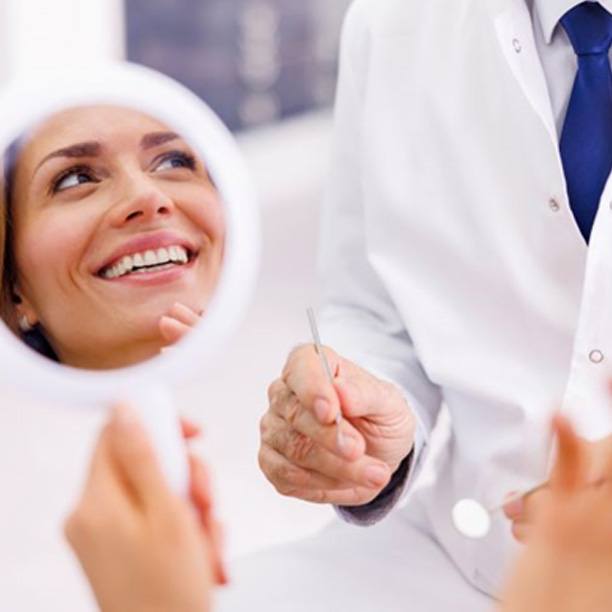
[596, 356]
[516, 43]
[554, 205]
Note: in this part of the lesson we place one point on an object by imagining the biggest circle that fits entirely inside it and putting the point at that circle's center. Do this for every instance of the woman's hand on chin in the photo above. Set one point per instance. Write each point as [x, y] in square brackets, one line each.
[142, 547]
[177, 322]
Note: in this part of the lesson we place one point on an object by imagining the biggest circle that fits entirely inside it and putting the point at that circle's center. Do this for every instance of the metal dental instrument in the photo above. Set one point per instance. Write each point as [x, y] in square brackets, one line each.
[519, 495]
[474, 520]
[316, 338]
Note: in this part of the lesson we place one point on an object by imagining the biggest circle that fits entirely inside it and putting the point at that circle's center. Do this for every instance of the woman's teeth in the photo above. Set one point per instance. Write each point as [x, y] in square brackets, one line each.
[147, 261]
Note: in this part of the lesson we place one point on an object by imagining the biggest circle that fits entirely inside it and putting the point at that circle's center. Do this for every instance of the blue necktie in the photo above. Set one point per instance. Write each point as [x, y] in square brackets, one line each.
[586, 141]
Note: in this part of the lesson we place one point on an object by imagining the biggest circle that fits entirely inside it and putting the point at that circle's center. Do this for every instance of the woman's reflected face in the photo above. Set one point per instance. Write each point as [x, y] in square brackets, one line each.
[115, 220]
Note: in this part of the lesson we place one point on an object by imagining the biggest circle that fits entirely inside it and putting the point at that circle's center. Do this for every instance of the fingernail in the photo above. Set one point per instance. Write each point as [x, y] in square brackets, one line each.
[346, 444]
[321, 408]
[376, 475]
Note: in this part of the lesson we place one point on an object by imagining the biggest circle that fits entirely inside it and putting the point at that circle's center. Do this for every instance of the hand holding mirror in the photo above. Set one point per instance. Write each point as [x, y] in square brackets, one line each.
[128, 225]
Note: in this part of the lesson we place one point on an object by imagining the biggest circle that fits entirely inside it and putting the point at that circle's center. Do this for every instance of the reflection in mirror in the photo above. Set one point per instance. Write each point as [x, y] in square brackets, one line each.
[113, 237]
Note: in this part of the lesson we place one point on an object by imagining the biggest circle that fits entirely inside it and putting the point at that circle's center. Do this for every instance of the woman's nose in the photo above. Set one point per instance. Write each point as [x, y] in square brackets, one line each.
[145, 204]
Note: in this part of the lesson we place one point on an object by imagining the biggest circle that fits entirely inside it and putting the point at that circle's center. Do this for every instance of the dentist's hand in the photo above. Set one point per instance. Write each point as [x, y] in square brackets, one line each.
[301, 452]
[177, 322]
[143, 548]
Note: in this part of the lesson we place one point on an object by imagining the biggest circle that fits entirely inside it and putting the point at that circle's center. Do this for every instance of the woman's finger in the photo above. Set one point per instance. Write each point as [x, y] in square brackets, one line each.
[202, 499]
[570, 470]
[172, 330]
[218, 539]
[190, 429]
[184, 314]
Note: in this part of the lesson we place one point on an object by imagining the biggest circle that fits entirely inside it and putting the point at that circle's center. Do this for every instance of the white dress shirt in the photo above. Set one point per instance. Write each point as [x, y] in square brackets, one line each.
[556, 52]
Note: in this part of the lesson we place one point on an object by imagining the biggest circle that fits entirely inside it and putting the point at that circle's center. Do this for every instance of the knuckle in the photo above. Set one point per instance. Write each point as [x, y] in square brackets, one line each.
[294, 360]
[293, 408]
[286, 479]
[264, 427]
[285, 489]
[274, 389]
[319, 496]
[84, 522]
[299, 447]
[264, 464]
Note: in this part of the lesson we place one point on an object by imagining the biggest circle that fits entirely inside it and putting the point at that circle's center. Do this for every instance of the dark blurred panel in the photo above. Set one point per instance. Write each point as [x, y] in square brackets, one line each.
[253, 61]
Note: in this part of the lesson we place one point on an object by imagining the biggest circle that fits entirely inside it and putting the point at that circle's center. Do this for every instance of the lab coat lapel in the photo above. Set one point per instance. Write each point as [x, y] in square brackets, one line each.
[514, 30]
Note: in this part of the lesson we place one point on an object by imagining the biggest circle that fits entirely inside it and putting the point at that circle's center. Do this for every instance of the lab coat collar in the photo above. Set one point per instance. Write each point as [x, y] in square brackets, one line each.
[515, 34]
[549, 12]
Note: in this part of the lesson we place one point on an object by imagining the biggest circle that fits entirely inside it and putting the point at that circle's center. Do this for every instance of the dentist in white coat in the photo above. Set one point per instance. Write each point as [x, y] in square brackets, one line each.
[466, 258]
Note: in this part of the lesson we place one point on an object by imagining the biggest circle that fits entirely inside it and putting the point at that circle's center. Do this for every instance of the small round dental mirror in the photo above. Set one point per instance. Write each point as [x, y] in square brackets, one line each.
[473, 520]
[148, 385]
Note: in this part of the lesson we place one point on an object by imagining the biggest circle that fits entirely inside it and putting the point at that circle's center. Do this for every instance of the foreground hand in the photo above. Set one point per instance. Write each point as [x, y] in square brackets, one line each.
[568, 561]
[177, 322]
[303, 454]
[142, 547]
[522, 512]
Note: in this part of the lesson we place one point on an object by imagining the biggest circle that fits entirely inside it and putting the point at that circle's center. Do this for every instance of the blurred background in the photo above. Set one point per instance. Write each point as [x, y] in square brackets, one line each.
[268, 67]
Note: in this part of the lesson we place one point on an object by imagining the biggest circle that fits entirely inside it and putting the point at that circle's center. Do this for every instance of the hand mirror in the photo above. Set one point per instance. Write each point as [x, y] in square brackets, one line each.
[128, 241]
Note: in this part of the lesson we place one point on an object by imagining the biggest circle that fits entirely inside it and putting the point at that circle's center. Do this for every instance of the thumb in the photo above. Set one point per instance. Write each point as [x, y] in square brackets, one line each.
[135, 458]
[361, 394]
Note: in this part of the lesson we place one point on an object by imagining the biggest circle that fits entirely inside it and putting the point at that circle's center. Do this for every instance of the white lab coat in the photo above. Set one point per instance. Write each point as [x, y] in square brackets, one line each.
[453, 264]
[451, 261]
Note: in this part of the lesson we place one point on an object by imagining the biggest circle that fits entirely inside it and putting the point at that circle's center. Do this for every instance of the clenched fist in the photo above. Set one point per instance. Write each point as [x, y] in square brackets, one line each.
[305, 454]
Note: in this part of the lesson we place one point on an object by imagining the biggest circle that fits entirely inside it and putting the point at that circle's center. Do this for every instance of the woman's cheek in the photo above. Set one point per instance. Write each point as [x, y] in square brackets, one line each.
[203, 207]
[51, 246]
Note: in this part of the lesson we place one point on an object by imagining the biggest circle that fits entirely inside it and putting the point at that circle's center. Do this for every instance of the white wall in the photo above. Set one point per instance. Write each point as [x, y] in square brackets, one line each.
[41, 33]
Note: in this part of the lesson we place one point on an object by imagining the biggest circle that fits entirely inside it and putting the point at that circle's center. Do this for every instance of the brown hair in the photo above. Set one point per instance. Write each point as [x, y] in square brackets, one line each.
[34, 338]
[7, 268]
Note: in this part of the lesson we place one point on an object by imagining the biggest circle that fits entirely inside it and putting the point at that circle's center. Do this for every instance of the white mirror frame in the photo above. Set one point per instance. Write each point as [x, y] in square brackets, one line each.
[26, 102]
[31, 99]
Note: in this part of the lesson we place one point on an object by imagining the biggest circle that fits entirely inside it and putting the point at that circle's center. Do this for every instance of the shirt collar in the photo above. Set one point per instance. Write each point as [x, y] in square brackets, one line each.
[549, 13]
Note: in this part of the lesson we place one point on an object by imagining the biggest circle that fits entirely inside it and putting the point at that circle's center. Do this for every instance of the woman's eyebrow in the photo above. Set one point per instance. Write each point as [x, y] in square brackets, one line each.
[94, 148]
[80, 149]
[155, 139]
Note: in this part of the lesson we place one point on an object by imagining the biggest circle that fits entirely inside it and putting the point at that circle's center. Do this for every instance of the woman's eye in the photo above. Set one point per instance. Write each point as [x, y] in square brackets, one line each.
[72, 179]
[175, 160]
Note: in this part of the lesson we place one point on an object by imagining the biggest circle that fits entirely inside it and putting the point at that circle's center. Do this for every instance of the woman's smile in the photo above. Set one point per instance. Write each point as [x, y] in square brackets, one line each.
[148, 254]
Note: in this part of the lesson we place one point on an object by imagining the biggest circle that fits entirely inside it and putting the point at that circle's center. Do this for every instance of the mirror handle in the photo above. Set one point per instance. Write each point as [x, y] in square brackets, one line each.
[159, 416]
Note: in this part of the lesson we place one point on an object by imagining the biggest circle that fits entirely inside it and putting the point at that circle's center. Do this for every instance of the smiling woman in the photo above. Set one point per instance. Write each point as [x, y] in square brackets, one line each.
[113, 236]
